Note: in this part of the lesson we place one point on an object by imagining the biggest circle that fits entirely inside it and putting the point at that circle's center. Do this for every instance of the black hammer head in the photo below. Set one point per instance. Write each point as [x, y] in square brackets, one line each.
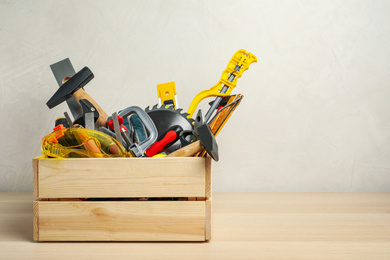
[207, 139]
[206, 136]
[79, 80]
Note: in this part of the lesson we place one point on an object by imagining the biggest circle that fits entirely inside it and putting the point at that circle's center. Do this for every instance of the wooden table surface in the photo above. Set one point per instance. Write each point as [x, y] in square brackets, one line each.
[244, 226]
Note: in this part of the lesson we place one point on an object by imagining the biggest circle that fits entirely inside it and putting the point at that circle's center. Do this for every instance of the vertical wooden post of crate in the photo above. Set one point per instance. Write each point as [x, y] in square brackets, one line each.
[208, 193]
[35, 203]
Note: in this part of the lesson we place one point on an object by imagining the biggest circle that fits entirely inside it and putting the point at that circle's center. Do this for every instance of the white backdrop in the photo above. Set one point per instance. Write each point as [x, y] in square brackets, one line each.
[315, 116]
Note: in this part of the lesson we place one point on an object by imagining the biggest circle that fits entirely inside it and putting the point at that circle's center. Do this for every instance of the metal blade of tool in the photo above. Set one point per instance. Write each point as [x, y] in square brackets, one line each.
[87, 107]
[68, 120]
[89, 120]
[118, 134]
[61, 70]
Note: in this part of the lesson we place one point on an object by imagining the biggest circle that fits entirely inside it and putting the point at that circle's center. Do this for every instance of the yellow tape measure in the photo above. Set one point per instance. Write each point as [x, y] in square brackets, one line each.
[167, 94]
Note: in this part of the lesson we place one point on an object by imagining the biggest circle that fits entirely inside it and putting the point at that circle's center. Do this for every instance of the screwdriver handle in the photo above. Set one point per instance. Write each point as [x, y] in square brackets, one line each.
[164, 141]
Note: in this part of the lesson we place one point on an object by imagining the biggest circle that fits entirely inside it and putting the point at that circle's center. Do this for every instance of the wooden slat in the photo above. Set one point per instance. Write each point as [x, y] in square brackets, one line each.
[122, 221]
[36, 221]
[208, 220]
[208, 178]
[35, 178]
[121, 177]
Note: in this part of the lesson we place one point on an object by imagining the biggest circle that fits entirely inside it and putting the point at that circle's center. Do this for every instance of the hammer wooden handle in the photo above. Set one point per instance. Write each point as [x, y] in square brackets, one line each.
[187, 150]
[81, 94]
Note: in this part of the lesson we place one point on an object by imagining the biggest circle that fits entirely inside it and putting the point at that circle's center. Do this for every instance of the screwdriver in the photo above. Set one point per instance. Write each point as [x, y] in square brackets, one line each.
[165, 140]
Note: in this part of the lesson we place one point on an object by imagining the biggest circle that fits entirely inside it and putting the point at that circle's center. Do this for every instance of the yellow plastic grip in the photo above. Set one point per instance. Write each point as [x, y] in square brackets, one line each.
[240, 59]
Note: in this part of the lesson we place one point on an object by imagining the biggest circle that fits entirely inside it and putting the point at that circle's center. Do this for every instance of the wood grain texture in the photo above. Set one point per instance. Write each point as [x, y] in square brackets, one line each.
[121, 177]
[36, 221]
[208, 180]
[35, 178]
[208, 220]
[122, 221]
[305, 226]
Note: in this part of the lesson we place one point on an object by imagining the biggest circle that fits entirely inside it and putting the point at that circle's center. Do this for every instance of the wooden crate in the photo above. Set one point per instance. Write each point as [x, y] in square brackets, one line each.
[59, 214]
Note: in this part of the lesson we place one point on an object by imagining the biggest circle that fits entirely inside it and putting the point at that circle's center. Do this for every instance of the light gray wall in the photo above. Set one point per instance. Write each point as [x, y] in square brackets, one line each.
[315, 116]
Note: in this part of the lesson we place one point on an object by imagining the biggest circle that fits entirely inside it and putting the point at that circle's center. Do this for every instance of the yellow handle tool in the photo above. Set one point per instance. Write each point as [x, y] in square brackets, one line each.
[237, 65]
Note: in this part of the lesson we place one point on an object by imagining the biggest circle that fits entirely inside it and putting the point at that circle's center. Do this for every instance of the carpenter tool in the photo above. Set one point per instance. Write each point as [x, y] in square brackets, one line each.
[87, 107]
[167, 95]
[221, 117]
[165, 117]
[118, 134]
[206, 140]
[165, 140]
[138, 131]
[74, 87]
[138, 149]
[68, 120]
[237, 65]
[61, 70]
[126, 136]
[89, 120]
[111, 124]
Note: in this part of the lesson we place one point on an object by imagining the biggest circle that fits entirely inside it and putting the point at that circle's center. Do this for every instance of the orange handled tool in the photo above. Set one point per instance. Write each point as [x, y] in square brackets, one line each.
[165, 140]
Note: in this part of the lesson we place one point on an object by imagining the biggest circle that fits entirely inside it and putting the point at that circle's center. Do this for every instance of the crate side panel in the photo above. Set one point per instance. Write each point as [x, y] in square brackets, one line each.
[122, 221]
[208, 178]
[36, 220]
[208, 220]
[35, 178]
[121, 177]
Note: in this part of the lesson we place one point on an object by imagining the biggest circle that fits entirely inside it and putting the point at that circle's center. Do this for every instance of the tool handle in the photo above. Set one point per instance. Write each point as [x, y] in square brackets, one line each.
[81, 94]
[241, 60]
[168, 139]
[110, 122]
[126, 135]
[188, 150]
[89, 144]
